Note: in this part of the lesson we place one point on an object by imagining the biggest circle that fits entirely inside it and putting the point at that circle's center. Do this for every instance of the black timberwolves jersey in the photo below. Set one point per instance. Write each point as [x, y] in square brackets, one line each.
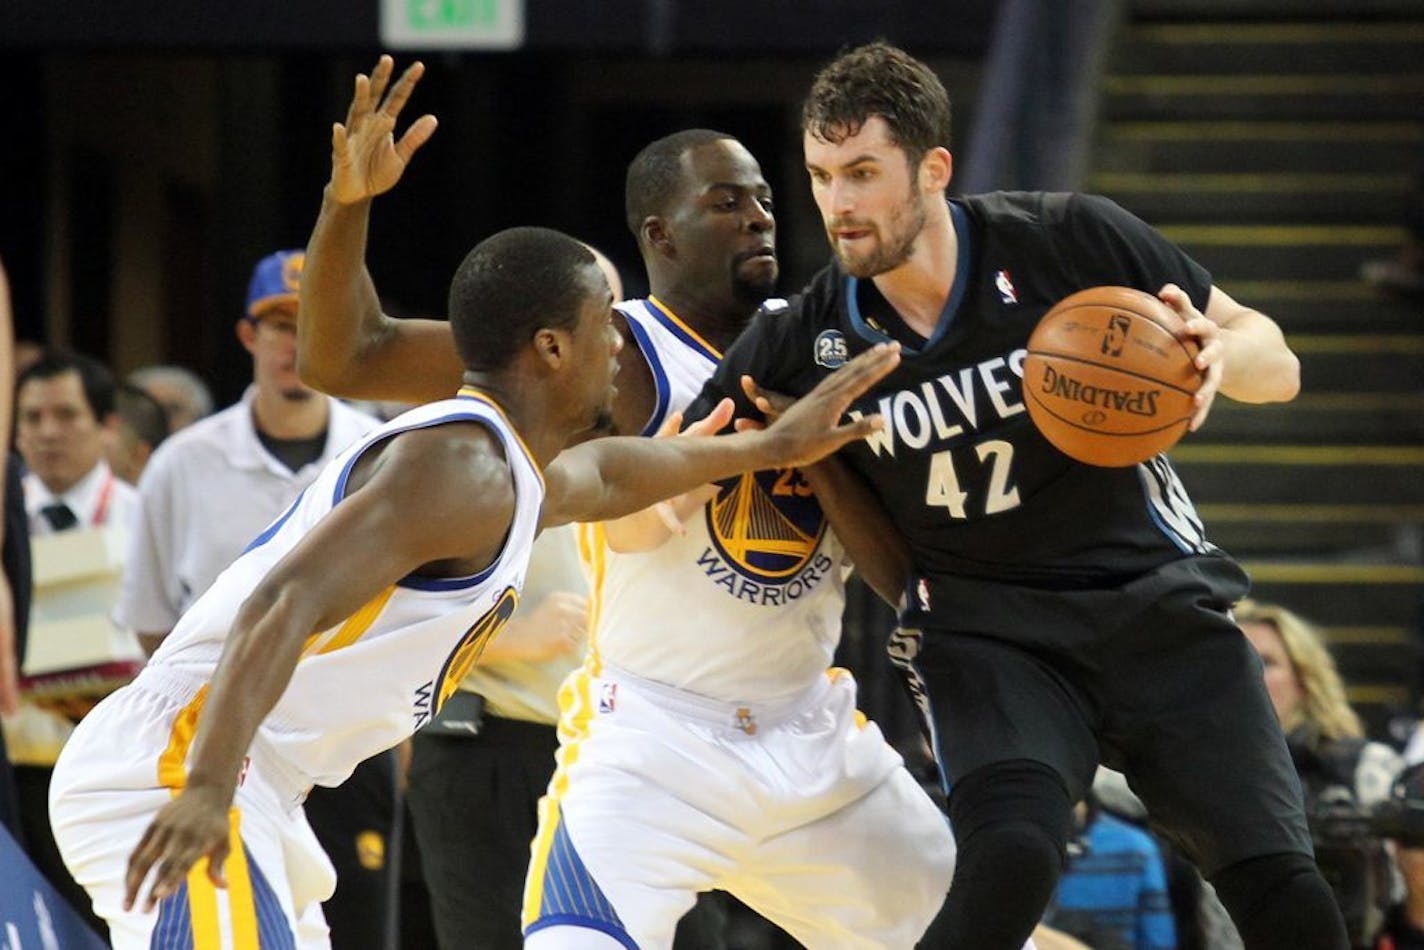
[969, 481]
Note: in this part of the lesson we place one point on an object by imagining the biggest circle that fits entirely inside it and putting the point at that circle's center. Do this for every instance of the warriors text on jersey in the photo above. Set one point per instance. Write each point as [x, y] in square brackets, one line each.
[368, 682]
[969, 481]
[747, 604]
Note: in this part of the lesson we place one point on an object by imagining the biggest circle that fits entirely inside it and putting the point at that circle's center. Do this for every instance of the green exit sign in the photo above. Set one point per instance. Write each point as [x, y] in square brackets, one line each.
[452, 24]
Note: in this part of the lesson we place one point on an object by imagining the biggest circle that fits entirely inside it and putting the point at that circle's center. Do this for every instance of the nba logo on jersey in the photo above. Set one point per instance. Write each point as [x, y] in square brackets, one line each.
[1006, 287]
[922, 591]
[608, 698]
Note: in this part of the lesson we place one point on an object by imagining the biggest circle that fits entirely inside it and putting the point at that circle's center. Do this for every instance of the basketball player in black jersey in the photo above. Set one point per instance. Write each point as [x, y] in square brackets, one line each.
[1057, 614]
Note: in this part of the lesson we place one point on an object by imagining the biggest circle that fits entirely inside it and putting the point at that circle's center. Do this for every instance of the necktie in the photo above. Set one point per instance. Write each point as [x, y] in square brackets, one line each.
[59, 515]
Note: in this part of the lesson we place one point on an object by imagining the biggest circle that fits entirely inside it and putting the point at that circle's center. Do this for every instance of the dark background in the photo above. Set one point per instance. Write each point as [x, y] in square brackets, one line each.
[156, 150]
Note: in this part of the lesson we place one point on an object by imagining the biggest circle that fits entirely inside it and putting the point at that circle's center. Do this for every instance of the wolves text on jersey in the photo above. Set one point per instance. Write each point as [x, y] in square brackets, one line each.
[950, 405]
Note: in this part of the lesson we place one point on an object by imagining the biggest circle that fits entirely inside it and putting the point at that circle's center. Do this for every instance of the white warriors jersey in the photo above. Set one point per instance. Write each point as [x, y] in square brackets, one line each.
[368, 682]
[747, 604]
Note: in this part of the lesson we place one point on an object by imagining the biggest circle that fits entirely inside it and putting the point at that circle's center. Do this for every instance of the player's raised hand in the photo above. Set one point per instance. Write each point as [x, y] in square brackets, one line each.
[811, 429]
[192, 826]
[1210, 353]
[366, 157]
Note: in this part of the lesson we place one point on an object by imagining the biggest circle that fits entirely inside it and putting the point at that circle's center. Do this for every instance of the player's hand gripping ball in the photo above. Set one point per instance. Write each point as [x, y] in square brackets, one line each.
[1109, 376]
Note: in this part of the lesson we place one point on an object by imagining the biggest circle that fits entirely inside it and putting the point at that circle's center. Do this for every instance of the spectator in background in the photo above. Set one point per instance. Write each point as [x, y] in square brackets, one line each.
[1113, 894]
[63, 402]
[1340, 771]
[184, 396]
[140, 424]
[207, 492]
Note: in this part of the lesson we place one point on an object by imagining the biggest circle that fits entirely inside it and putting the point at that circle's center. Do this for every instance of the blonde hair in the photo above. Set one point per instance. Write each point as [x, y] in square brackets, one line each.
[1324, 707]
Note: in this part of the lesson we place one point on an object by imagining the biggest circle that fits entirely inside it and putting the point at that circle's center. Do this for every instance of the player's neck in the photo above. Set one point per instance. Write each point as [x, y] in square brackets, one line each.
[713, 316]
[531, 407]
[919, 288]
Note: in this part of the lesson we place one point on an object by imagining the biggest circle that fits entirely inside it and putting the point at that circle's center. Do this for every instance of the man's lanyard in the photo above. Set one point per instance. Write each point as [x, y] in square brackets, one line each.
[101, 510]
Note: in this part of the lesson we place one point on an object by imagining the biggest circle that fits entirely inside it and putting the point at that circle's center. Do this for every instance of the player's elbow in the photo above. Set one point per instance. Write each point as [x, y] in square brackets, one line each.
[1283, 383]
[320, 371]
[1290, 384]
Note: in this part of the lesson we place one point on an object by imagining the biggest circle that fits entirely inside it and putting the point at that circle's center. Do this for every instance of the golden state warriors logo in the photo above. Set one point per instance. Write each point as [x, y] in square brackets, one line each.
[292, 266]
[766, 524]
[472, 644]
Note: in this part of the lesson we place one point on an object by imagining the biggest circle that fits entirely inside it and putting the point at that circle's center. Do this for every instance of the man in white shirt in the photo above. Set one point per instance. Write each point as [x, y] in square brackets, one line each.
[63, 404]
[211, 488]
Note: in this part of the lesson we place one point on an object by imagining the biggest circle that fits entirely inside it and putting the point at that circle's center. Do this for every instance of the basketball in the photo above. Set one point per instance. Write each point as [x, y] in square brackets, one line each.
[1106, 379]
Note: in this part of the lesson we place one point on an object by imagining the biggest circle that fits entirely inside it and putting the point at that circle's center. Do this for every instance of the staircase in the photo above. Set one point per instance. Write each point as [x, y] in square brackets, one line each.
[1278, 150]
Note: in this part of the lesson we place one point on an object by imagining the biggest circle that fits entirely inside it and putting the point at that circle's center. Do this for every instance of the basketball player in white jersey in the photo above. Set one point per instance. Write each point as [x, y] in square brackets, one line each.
[348, 620]
[705, 745]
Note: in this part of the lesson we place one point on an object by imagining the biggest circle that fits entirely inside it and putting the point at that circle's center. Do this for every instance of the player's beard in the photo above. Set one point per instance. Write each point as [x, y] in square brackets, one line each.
[298, 394]
[895, 245]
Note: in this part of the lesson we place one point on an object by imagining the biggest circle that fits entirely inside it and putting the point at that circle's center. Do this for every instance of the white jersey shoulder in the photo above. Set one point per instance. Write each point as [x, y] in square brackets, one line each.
[747, 604]
[370, 681]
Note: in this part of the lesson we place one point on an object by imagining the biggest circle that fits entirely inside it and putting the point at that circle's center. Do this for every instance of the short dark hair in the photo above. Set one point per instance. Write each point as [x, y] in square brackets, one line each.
[512, 285]
[879, 79]
[141, 413]
[656, 172]
[94, 377]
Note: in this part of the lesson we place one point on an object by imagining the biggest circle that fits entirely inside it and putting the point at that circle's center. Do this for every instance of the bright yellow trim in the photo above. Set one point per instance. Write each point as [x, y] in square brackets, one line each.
[488, 401]
[172, 763]
[663, 309]
[575, 713]
[352, 629]
[241, 904]
[203, 908]
[593, 552]
[539, 860]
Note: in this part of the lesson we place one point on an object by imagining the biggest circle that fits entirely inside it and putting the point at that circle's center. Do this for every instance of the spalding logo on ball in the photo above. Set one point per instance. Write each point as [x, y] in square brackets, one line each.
[1107, 380]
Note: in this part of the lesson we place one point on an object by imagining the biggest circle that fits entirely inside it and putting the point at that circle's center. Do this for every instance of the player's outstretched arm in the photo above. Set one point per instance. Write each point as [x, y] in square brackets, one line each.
[876, 548]
[373, 538]
[609, 478]
[651, 528]
[346, 345]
